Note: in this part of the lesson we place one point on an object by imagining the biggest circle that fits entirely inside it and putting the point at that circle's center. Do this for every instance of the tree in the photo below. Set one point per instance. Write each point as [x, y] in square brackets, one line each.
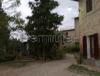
[43, 22]
[4, 32]
[5, 20]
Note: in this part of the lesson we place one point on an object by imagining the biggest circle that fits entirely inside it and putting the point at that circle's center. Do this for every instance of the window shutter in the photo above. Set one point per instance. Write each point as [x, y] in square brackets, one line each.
[88, 5]
[84, 47]
[96, 46]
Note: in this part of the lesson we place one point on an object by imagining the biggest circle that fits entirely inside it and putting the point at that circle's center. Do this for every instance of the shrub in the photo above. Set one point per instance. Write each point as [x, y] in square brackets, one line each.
[73, 49]
[19, 56]
[78, 56]
[50, 53]
[0, 59]
[10, 57]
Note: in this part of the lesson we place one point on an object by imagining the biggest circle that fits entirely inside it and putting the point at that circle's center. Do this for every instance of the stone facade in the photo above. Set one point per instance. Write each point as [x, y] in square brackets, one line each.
[89, 24]
[70, 33]
[73, 33]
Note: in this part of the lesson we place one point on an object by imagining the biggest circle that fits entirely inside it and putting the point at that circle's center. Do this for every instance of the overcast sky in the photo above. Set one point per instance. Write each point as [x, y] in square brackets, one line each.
[68, 22]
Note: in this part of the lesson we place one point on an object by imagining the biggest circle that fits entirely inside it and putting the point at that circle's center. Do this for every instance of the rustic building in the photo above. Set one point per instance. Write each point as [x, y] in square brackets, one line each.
[73, 33]
[89, 28]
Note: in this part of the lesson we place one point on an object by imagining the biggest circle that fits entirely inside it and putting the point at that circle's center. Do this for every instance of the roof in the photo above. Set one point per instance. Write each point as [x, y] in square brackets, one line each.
[76, 18]
[75, 0]
[69, 30]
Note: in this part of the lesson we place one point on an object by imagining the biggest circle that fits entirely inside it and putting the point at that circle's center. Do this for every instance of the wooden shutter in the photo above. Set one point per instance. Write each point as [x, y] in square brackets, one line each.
[96, 46]
[89, 5]
[84, 47]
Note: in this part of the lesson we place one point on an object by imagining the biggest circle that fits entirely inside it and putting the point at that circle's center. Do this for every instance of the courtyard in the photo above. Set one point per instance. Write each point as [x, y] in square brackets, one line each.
[40, 68]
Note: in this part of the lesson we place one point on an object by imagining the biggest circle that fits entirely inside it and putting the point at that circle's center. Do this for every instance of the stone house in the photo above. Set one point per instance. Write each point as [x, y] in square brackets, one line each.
[89, 31]
[73, 33]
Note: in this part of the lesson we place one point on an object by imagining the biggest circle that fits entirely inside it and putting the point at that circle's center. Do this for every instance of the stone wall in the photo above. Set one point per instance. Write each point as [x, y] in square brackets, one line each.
[89, 23]
[71, 33]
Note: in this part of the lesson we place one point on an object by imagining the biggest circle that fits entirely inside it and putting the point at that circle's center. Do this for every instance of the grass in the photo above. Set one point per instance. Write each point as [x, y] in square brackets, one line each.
[15, 64]
[84, 70]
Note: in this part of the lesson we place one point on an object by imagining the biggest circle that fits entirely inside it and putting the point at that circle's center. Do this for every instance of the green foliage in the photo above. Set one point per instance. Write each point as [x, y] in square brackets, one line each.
[13, 46]
[0, 59]
[51, 53]
[43, 22]
[84, 70]
[78, 56]
[10, 57]
[18, 56]
[15, 64]
[12, 4]
[18, 21]
[4, 32]
[73, 49]
[54, 54]
[5, 21]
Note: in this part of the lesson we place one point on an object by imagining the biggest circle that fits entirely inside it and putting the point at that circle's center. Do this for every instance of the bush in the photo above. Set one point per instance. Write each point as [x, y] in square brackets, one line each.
[0, 59]
[78, 56]
[10, 57]
[51, 53]
[19, 56]
[73, 49]
[7, 57]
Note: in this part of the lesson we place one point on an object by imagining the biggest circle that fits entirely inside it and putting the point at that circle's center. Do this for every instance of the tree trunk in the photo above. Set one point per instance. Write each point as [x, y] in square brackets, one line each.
[44, 52]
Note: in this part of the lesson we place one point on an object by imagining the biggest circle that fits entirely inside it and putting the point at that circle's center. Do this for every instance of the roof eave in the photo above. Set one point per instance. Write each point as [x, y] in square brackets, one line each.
[75, 0]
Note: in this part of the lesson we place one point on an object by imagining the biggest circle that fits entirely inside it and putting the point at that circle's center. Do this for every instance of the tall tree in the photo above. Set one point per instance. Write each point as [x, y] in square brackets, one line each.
[43, 22]
[5, 20]
[4, 32]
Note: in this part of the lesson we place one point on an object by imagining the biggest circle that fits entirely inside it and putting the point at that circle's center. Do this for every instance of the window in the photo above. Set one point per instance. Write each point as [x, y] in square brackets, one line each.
[88, 5]
[66, 34]
[91, 47]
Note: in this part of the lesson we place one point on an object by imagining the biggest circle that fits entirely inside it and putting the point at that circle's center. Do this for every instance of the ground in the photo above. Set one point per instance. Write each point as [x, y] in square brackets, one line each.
[51, 68]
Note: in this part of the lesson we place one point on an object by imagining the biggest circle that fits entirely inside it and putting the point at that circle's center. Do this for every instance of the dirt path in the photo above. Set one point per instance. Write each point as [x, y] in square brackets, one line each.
[53, 68]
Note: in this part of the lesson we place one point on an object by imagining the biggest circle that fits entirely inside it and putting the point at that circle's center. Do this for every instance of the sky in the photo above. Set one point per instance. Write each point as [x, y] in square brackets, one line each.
[62, 9]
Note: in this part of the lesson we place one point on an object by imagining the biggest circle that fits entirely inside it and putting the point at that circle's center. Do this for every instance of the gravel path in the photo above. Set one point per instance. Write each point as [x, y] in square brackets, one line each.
[52, 68]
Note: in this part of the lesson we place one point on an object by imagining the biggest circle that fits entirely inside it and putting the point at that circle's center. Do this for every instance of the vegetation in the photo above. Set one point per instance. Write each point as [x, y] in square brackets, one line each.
[15, 64]
[4, 32]
[43, 22]
[84, 70]
[72, 49]
[6, 20]
[9, 57]
[78, 57]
